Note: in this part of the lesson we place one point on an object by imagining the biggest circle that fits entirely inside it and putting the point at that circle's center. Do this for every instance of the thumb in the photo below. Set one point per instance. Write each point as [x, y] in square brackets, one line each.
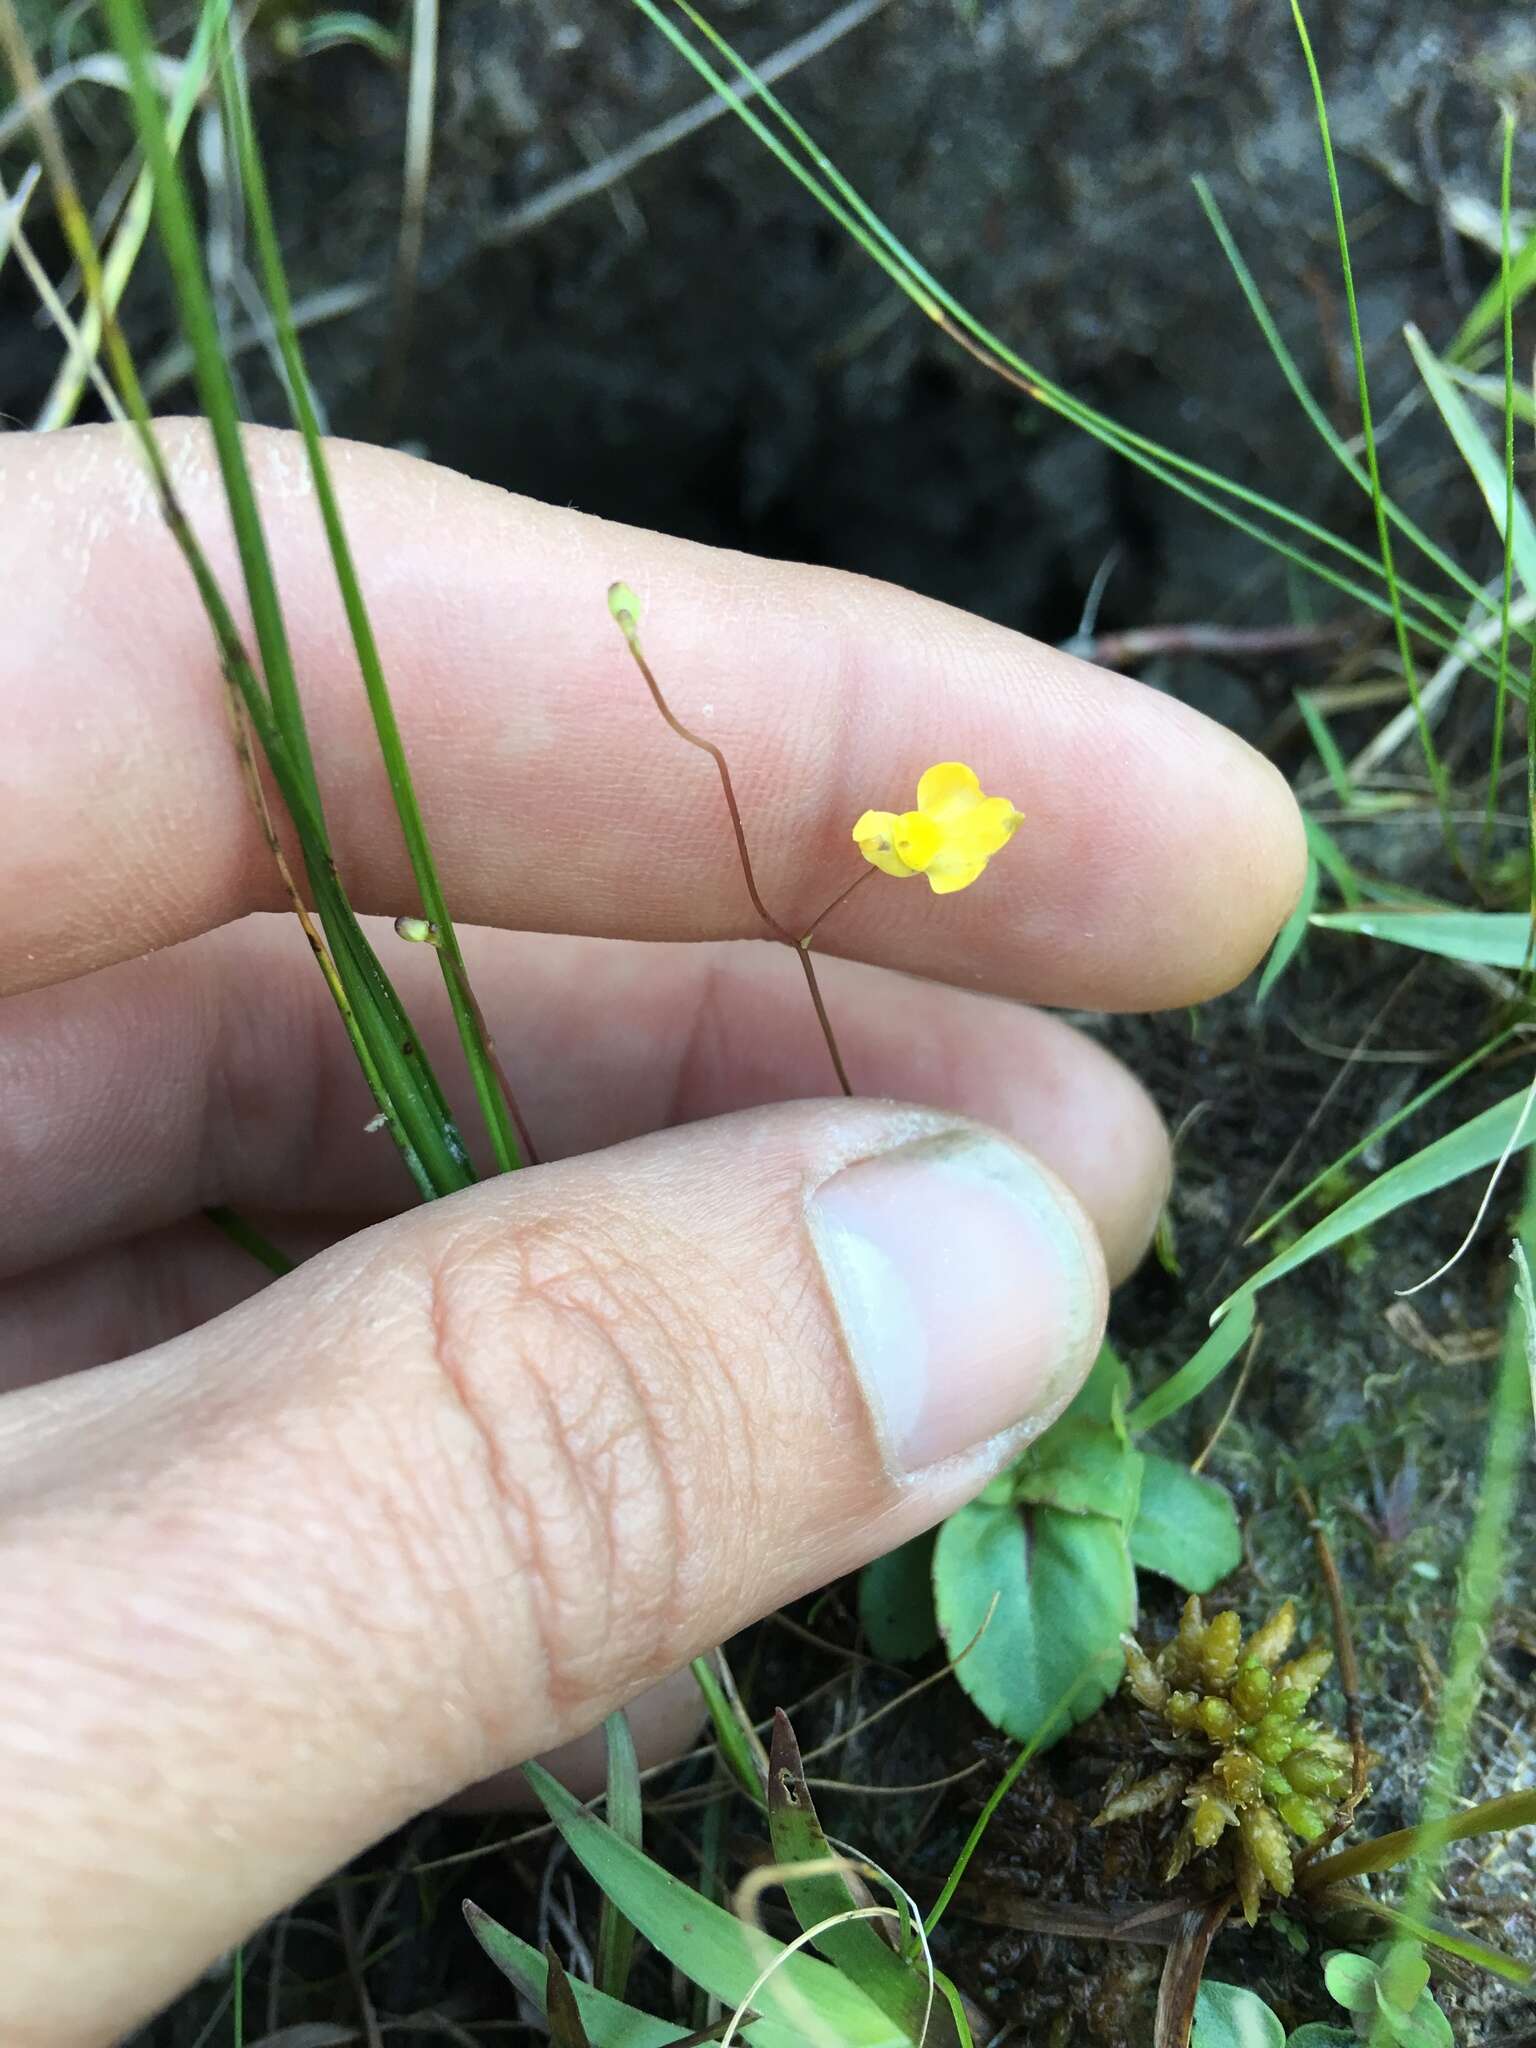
[450, 1493]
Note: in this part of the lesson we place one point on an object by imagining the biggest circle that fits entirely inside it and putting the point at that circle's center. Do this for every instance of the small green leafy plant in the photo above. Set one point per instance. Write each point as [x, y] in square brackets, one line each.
[1386, 1994]
[1032, 1588]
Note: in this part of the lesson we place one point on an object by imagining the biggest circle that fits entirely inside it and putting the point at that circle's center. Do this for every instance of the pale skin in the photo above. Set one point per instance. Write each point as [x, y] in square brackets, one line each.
[281, 1565]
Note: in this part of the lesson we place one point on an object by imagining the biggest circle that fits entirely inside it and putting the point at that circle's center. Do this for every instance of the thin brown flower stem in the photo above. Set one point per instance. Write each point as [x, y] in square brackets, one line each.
[803, 954]
[628, 624]
[1349, 1680]
[630, 629]
[836, 904]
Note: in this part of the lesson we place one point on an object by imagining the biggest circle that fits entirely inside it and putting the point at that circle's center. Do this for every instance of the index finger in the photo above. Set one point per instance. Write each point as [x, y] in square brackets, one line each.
[1158, 856]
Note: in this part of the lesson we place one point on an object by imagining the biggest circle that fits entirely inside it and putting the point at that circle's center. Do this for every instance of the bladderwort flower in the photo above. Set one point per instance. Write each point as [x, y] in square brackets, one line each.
[949, 838]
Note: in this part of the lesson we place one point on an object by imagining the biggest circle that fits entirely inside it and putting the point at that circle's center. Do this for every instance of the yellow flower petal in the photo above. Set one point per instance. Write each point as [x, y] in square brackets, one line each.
[945, 881]
[984, 829]
[948, 790]
[917, 839]
[949, 837]
[875, 837]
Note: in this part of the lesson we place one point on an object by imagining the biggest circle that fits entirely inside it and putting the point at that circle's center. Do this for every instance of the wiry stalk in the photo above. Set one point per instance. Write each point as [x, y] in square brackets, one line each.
[622, 604]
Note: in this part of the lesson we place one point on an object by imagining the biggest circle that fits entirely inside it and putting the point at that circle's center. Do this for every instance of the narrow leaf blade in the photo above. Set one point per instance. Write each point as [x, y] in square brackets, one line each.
[710, 1945]
[1485, 938]
[856, 1947]
[1483, 460]
[615, 1934]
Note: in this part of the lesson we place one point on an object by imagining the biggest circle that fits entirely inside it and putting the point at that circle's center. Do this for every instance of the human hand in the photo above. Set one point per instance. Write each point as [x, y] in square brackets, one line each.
[287, 1566]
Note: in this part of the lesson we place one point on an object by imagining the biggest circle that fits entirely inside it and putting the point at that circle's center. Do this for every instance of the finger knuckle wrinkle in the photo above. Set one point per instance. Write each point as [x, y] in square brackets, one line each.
[578, 1387]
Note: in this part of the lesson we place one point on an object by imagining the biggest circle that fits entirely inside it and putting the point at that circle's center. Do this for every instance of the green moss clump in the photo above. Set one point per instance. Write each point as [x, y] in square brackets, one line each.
[1251, 1771]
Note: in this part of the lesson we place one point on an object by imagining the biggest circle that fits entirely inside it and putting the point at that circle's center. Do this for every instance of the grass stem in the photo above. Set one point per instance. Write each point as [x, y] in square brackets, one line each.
[1439, 780]
[1501, 688]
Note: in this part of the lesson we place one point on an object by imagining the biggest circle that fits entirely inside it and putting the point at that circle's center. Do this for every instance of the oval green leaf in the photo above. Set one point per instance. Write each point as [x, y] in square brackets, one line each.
[1065, 1592]
[896, 1602]
[1228, 2016]
[1185, 1527]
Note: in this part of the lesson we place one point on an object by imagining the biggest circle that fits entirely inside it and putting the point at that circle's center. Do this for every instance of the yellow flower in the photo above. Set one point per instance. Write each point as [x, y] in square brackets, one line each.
[950, 837]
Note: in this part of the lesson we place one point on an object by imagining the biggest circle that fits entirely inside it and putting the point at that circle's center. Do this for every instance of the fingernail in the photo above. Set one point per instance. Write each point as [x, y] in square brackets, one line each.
[968, 1294]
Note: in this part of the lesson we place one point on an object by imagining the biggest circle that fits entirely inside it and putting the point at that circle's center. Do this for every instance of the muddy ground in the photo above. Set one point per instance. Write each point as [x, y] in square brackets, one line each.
[695, 347]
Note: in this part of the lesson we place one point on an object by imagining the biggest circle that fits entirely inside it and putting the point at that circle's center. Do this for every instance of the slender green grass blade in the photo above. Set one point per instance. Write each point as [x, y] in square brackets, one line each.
[1433, 620]
[1513, 507]
[1509, 1967]
[1385, 1852]
[12, 231]
[1437, 774]
[390, 1047]
[1482, 1572]
[63, 400]
[615, 1934]
[13, 207]
[1334, 764]
[1333, 861]
[1490, 468]
[1197, 1373]
[1485, 315]
[995, 1798]
[710, 1945]
[1291, 934]
[1474, 1144]
[249, 1239]
[1337, 446]
[130, 32]
[380, 1043]
[420, 113]
[741, 1758]
[1490, 938]
[490, 1088]
[1384, 1129]
[1491, 391]
[300, 39]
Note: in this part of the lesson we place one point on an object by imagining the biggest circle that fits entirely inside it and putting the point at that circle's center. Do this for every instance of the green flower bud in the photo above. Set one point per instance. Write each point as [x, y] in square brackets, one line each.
[1306, 1672]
